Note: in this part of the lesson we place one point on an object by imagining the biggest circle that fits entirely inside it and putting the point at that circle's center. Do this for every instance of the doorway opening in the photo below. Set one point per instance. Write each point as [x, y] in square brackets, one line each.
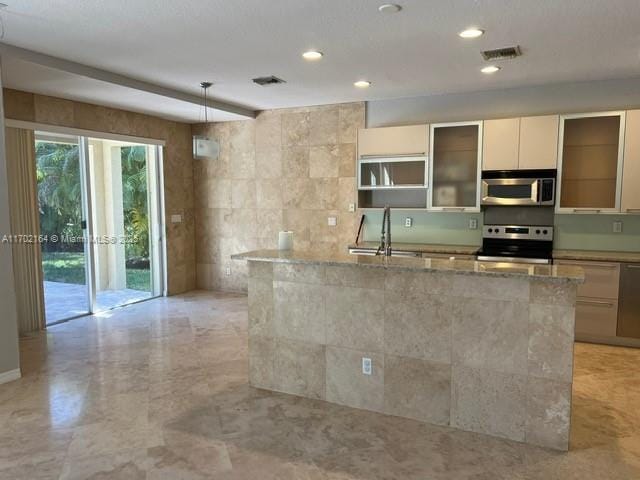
[101, 220]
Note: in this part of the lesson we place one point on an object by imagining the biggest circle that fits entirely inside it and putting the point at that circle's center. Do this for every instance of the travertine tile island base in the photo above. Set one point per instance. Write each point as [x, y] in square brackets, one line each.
[458, 343]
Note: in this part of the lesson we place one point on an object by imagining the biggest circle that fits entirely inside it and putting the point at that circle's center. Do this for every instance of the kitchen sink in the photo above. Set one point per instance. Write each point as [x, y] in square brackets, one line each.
[374, 251]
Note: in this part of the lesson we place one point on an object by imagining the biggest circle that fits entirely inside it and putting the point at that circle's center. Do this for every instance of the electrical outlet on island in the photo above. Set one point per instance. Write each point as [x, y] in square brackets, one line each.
[366, 366]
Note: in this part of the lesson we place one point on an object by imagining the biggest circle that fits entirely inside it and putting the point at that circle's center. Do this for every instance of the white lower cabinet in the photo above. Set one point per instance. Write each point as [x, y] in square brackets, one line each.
[597, 302]
[597, 317]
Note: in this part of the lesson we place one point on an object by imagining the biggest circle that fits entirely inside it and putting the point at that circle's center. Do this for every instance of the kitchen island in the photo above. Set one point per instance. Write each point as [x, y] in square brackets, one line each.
[464, 344]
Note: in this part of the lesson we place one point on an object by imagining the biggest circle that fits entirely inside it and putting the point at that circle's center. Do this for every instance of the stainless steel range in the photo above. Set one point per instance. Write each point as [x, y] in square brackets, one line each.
[517, 244]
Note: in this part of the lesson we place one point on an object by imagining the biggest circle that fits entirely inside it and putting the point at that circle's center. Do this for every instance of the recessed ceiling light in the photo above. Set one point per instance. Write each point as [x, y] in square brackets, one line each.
[362, 84]
[312, 55]
[389, 8]
[490, 69]
[471, 33]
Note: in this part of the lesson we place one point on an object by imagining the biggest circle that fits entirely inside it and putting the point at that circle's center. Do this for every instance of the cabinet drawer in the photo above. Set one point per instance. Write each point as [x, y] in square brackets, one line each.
[601, 279]
[596, 316]
[448, 255]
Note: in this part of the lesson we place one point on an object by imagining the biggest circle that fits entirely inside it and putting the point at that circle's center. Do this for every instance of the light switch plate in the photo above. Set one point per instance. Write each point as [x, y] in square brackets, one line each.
[332, 221]
[227, 271]
[617, 227]
[408, 222]
[473, 224]
[366, 366]
[352, 207]
[176, 218]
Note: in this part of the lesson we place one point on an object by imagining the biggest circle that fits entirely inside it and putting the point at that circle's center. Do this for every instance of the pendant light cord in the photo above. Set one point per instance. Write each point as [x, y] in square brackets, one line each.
[205, 86]
[206, 118]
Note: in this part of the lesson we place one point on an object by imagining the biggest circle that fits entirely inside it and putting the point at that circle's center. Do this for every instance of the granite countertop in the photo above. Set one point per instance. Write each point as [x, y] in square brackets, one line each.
[424, 247]
[552, 273]
[596, 255]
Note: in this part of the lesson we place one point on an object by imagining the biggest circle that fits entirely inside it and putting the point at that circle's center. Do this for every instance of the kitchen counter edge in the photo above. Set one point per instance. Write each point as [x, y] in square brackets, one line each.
[548, 273]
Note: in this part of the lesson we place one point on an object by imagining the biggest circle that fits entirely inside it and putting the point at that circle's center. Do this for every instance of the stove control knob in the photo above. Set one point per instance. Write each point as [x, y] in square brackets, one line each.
[545, 232]
[538, 232]
[491, 230]
[497, 230]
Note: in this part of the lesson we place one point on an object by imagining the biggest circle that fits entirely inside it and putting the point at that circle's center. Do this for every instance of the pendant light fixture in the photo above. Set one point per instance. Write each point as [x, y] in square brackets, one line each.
[205, 148]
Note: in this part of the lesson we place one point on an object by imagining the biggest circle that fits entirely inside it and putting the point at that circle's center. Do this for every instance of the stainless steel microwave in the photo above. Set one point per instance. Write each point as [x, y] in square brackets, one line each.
[519, 187]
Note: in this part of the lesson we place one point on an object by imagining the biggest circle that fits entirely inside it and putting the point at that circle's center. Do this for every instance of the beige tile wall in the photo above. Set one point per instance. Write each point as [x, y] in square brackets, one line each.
[444, 349]
[178, 169]
[289, 169]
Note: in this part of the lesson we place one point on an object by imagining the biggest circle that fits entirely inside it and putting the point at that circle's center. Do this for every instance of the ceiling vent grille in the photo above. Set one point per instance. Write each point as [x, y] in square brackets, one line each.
[505, 53]
[266, 81]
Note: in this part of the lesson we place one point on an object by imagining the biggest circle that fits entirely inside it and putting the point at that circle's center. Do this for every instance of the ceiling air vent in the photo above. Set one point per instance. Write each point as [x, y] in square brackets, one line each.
[502, 53]
[266, 81]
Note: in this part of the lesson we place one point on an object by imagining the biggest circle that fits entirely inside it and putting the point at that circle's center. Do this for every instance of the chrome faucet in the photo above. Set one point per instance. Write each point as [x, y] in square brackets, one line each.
[385, 238]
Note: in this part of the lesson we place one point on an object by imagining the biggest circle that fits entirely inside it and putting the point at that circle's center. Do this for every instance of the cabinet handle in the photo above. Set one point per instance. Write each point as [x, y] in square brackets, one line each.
[631, 210]
[600, 265]
[588, 264]
[587, 210]
[595, 303]
[633, 266]
[453, 209]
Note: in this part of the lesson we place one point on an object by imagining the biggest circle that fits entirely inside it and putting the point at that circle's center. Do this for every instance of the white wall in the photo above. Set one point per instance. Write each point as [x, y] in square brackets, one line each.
[9, 356]
[554, 98]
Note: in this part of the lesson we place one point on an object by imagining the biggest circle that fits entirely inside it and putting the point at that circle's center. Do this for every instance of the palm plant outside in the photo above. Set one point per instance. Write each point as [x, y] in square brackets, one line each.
[60, 206]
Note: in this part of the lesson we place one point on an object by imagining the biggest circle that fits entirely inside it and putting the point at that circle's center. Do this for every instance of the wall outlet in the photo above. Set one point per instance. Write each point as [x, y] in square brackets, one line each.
[352, 207]
[473, 224]
[332, 221]
[176, 218]
[366, 366]
[408, 222]
[227, 271]
[617, 227]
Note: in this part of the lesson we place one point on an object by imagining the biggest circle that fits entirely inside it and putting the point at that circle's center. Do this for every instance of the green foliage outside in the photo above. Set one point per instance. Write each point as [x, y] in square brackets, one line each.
[59, 193]
[59, 199]
[68, 267]
[134, 193]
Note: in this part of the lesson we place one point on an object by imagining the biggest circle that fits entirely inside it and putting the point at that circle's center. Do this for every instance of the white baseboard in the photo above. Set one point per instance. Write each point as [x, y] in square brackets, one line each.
[10, 376]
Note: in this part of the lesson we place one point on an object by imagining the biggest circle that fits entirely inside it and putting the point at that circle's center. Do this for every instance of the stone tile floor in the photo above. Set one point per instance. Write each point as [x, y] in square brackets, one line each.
[158, 390]
[66, 300]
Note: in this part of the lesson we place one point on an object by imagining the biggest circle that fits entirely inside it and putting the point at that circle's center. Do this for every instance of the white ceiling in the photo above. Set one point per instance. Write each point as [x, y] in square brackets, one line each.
[28, 76]
[415, 52]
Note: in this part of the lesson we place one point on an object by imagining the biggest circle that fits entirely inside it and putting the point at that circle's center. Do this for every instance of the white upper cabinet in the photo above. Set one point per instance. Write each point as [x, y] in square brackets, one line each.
[455, 166]
[538, 142]
[393, 141]
[392, 167]
[631, 169]
[520, 143]
[500, 144]
[590, 162]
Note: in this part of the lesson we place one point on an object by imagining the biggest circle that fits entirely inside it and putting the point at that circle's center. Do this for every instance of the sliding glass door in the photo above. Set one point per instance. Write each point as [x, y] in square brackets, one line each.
[101, 221]
[61, 190]
[123, 201]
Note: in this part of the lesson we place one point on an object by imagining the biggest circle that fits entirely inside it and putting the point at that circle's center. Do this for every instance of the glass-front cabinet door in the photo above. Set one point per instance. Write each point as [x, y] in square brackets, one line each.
[590, 162]
[399, 182]
[456, 166]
